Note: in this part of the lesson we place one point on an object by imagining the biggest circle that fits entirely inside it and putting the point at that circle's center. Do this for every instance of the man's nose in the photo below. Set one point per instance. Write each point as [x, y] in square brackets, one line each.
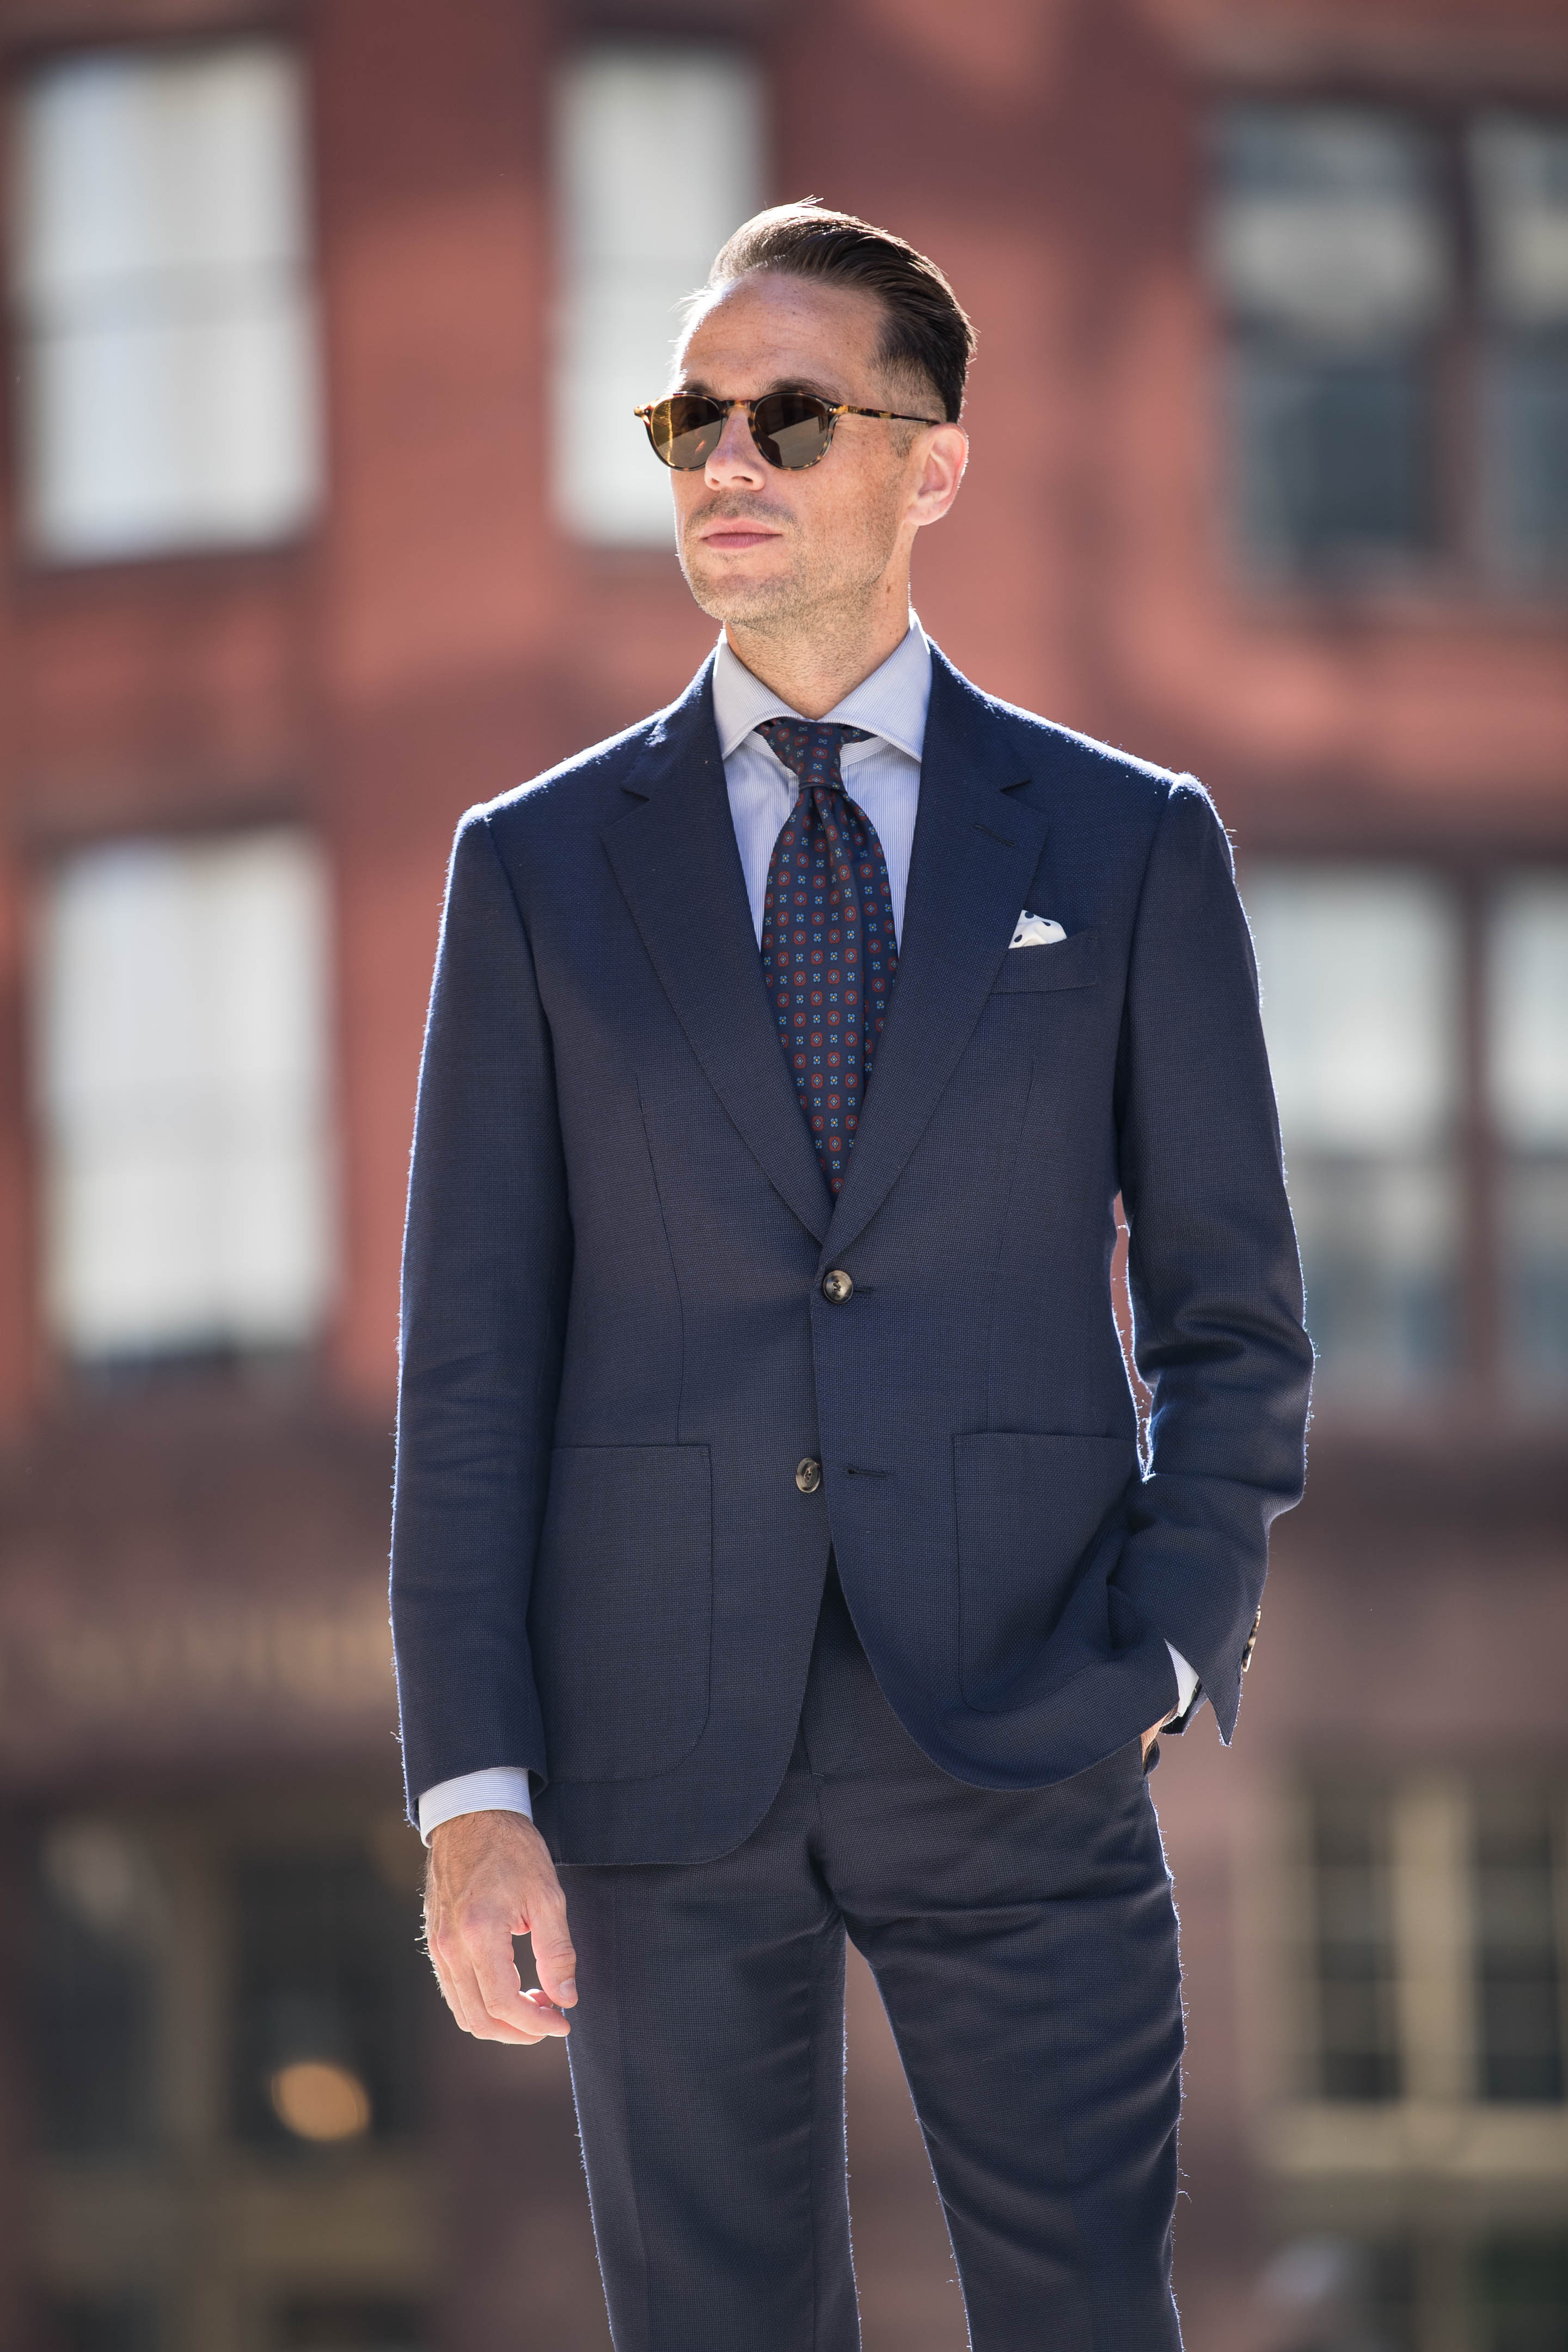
[735, 461]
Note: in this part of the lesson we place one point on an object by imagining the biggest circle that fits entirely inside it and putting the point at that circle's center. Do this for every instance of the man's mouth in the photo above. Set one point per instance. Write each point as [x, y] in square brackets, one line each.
[734, 537]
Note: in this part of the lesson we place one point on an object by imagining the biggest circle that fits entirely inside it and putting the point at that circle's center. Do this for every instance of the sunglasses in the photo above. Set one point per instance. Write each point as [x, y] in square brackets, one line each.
[792, 430]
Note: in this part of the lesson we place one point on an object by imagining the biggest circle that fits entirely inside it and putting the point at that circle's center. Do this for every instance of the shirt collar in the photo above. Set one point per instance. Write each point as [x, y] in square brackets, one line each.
[891, 702]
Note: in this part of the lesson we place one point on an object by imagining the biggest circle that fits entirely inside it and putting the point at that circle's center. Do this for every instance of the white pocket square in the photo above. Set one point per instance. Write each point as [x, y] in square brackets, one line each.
[1036, 931]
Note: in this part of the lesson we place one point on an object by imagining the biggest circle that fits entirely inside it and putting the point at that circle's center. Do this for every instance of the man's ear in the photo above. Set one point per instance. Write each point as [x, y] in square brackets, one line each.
[942, 461]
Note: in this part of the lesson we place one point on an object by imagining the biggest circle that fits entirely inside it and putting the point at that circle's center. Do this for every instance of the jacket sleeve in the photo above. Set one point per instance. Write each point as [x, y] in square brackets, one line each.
[485, 1272]
[1213, 1268]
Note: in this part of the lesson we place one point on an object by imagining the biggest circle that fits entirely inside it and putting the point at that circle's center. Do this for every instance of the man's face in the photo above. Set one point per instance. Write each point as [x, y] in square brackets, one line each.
[765, 547]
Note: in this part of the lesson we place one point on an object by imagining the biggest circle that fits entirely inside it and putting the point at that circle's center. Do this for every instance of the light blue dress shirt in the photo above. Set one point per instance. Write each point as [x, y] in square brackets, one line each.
[883, 775]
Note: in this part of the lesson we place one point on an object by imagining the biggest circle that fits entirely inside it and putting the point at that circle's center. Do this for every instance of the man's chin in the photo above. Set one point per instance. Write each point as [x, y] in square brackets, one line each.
[724, 597]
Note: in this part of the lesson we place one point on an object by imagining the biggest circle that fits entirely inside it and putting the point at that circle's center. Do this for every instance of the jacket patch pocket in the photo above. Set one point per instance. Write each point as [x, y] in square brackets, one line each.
[622, 1610]
[1064, 963]
[1029, 1511]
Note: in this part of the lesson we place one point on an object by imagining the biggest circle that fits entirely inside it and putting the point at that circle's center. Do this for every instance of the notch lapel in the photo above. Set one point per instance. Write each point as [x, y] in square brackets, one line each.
[676, 859]
[974, 855]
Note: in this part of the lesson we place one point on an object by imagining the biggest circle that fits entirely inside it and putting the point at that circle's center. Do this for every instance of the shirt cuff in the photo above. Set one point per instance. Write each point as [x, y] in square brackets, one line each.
[503, 1790]
[1186, 1688]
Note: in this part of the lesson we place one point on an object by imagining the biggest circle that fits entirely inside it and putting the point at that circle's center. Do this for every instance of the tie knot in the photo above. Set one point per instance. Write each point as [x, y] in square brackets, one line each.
[811, 748]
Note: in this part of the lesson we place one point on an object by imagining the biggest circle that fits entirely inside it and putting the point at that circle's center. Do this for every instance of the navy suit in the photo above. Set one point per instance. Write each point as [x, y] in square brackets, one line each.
[617, 1350]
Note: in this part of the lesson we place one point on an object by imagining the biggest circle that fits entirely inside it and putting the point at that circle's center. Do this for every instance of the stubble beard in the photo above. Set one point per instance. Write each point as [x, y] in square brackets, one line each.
[832, 592]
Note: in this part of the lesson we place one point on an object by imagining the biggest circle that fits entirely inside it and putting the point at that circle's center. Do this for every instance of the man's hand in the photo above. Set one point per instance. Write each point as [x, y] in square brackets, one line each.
[491, 1878]
[1149, 1737]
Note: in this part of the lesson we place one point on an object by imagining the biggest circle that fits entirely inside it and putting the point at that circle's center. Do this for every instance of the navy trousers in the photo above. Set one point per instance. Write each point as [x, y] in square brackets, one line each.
[1025, 1946]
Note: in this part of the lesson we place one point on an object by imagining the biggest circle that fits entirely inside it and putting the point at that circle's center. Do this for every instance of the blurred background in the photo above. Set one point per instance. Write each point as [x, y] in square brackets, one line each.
[324, 517]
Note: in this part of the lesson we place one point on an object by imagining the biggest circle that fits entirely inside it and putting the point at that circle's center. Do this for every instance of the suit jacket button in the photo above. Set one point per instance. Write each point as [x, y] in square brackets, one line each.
[838, 1286]
[808, 1475]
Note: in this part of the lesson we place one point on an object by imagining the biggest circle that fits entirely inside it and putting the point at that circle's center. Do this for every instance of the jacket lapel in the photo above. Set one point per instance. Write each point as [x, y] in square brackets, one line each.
[974, 856]
[676, 859]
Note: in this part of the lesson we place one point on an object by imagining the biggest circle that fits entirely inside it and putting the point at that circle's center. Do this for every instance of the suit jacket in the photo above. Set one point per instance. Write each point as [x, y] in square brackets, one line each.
[616, 1348]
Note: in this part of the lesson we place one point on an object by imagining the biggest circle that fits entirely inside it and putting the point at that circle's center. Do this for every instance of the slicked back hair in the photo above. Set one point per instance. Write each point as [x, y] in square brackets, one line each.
[924, 329]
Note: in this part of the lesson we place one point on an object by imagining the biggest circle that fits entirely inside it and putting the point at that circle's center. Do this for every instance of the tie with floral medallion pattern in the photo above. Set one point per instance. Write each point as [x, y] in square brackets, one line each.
[829, 952]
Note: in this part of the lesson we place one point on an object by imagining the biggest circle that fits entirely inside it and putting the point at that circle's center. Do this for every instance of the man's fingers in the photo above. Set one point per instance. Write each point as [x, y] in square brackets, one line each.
[483, 2010]
[552, 1954]
[500, 1990]
[449, 1975]
[478, 1978]
[456, 1978]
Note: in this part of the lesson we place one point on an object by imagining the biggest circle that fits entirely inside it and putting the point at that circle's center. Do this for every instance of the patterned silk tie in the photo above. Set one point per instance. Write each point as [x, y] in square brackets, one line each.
[828, 948]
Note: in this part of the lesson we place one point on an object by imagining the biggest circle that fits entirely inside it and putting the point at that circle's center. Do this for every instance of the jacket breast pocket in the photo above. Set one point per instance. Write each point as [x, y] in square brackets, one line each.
[621, 1615]
[1064, 963]
[1029, 1511]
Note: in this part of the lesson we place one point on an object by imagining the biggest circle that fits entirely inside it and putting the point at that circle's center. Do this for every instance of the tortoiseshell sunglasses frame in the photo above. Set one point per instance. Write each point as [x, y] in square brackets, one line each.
[830, 412]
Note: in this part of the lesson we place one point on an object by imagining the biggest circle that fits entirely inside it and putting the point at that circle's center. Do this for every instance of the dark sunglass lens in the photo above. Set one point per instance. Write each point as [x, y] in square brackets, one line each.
[687, 430]
[792, 429]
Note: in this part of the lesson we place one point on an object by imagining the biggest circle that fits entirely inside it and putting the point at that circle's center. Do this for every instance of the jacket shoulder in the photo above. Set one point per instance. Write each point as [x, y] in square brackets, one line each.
[1118, 780]
[585, 789]
[1083, 760]
[574, 787]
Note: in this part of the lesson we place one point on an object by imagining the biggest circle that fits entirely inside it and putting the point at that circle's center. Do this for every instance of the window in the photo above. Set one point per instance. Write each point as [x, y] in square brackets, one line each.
[1436, 2291]
[163, 314]
[1332, 251]
[94, 2025]
[1520, 173]
[1395, 286]
[227, 2019]
[1528, 1060]
[1434, 1959]
[1357, 2035]
[1432, 1213]
[97, 2324]
[1522, 2294]
[180, 1053]
[325, 2041]
[658, 161]
[1349, 2294]
[1361, 970]
[1519, 1980]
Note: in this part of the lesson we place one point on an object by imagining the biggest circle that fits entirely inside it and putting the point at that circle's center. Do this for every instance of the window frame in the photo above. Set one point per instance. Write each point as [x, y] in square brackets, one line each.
[374, 2198]
[1481, 1391]
[1457, 571]
[64, 1366]
[29, 52]
[1440, 2123]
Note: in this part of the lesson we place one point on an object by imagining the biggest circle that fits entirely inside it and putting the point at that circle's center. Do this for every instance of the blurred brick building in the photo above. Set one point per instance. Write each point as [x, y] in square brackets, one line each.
[323, 518]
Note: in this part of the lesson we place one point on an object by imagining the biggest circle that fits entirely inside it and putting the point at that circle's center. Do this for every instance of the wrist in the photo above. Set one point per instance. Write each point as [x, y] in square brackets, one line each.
[484, 1822]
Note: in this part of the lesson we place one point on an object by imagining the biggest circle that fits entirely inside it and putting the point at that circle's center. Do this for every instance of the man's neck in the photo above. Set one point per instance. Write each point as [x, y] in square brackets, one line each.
[813, 671]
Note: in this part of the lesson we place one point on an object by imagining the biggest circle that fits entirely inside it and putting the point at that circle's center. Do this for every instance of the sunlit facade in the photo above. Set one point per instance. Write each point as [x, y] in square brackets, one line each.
[325, 516]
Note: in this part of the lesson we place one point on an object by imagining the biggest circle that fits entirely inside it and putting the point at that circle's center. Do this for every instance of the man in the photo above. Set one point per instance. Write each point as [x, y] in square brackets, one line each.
[770, 1513]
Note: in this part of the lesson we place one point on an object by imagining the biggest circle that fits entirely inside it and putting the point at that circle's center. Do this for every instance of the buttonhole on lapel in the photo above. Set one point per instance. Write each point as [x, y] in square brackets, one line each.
[858, 1470]
[1001, 838]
